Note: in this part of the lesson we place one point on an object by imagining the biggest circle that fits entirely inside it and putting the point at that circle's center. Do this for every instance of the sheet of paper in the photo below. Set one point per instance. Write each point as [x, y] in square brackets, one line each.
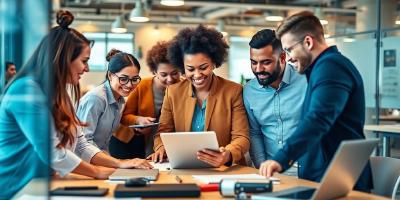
[217, 178]
[165, 166]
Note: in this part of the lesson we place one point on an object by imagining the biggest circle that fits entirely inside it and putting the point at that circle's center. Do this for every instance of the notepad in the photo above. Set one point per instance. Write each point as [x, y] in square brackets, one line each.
[207, 179]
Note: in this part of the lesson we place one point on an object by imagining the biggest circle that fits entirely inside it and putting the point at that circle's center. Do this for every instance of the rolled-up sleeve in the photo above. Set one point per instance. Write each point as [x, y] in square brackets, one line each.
[84, 149]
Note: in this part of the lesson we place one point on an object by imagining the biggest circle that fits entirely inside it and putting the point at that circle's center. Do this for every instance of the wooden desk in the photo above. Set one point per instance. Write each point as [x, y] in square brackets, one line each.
[387, 131]
[186, 176]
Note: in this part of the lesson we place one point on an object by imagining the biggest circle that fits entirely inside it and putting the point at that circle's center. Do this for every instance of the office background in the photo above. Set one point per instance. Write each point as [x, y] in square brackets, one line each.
[366, 31]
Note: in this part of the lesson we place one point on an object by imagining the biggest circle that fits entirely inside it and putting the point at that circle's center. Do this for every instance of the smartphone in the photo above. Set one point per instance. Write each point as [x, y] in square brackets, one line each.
[144, 125]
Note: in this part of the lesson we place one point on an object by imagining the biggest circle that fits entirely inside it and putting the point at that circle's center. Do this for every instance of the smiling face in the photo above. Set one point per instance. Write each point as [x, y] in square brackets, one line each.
[198, 70]
[166, 74]
[79, 66]
[296, 52]
[119, 83]
[265, 64]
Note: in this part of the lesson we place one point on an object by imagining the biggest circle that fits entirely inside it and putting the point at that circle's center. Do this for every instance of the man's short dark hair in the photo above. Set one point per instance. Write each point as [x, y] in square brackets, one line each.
[8, 64]
[302, 24]
[264, 38]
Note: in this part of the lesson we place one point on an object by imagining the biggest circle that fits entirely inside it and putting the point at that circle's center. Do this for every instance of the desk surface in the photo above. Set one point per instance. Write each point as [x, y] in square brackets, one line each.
[186, 176]
[383, 128]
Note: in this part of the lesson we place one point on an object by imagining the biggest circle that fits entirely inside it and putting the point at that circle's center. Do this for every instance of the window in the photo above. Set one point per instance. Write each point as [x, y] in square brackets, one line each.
[104, 42]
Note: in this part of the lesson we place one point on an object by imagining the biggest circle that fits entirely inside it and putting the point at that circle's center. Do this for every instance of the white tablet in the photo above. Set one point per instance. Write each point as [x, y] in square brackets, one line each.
[182, 148]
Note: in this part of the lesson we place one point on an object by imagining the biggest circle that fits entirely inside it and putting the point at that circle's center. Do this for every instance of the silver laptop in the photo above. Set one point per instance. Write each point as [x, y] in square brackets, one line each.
[340, 177]
[182, 148]
[124, 174]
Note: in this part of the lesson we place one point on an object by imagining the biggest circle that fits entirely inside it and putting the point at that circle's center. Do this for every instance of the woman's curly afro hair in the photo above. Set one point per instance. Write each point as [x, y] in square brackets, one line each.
[198, 40]
[157, 54]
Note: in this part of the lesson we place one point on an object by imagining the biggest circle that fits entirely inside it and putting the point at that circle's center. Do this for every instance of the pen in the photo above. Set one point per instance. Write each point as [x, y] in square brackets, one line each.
[81, 188]
[177, 178]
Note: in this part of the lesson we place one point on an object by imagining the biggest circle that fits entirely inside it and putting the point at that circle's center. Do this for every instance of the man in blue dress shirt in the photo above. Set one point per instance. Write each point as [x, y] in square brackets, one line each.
[273, 99]
[334, 105]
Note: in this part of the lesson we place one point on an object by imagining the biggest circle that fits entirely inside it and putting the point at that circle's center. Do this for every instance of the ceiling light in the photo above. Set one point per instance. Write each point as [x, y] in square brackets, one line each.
[274, 18]
[118, 26]
[348, 39]
[323, 21]
[138, 14]
[172, 2]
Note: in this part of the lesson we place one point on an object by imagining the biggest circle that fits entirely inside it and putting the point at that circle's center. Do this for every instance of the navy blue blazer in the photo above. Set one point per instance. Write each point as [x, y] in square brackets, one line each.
[333, 111]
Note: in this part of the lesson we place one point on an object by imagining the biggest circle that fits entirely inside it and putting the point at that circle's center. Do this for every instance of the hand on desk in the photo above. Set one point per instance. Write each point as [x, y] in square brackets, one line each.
[158, 156]
[135, 163]
[269, 167]
[215, 158]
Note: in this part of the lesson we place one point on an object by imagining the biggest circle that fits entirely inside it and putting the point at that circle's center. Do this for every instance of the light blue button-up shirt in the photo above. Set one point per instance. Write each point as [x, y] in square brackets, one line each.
[99, 109]
[273, 114]
[198, 120]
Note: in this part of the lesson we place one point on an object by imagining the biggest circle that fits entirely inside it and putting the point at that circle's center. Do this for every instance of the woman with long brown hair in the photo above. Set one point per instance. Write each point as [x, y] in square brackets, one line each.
[36, 104]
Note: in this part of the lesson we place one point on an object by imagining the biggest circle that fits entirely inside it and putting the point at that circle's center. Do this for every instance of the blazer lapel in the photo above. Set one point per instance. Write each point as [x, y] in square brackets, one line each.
[211, 100]
[209, 110]
[190, 103]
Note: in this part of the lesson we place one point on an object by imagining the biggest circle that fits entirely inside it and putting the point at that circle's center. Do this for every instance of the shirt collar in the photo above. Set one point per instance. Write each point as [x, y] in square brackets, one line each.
[329, 50]
[110, 95]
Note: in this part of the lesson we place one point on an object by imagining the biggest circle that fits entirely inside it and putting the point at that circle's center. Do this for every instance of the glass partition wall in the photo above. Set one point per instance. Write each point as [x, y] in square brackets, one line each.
[23, 23]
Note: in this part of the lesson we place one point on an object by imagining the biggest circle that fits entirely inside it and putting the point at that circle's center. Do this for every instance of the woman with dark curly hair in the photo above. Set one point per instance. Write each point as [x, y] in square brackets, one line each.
[204, 101]
[144, 105]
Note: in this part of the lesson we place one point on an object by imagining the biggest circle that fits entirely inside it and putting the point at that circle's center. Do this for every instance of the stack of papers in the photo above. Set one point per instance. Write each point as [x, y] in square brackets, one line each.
[207, 179]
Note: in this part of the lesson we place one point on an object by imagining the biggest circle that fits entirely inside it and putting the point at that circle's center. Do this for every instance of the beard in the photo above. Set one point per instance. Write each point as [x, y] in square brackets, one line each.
[304, 62]
[271, 77]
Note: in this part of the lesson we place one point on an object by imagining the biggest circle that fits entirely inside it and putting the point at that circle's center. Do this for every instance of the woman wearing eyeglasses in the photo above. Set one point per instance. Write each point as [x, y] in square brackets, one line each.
[144, 106]
[101, 108]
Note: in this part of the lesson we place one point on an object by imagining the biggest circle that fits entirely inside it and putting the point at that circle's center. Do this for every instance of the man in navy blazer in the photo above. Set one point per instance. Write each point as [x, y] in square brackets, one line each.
[334, 105]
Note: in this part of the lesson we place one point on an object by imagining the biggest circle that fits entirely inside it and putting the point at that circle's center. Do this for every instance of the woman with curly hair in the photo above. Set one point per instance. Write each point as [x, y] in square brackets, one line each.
[144, 105]
[204, 101]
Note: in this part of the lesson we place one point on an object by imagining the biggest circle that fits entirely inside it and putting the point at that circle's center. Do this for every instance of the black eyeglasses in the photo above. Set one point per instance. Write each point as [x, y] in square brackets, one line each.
[288, 50]
[123, 80]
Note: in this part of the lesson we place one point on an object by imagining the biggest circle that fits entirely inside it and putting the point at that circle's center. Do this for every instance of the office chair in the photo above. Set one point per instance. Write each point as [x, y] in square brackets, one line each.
[386, 175]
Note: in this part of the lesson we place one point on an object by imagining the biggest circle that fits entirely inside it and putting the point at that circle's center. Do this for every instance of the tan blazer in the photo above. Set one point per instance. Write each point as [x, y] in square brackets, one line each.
[225, 114]
[140, 103]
